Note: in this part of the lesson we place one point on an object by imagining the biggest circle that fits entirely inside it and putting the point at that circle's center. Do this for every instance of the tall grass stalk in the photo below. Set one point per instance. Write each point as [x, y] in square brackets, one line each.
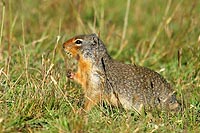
[123, 42]
[2, 27]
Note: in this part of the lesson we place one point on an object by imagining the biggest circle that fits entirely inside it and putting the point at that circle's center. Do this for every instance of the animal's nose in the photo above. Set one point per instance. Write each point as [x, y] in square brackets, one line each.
[67, 44]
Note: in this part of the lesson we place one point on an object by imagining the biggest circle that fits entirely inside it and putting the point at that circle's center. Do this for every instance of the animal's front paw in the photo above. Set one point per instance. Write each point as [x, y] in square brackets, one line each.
[70, 74]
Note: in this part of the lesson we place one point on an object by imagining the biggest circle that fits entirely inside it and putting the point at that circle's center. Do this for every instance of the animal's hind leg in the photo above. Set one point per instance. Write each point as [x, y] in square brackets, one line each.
[129, 103]
[138, 104]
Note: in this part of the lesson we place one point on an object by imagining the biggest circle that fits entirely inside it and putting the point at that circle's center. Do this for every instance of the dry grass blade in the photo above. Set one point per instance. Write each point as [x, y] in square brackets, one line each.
[40, 40]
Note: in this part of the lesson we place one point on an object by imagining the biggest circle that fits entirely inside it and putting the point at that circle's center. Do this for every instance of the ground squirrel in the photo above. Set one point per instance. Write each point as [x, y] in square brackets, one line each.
[126, 85]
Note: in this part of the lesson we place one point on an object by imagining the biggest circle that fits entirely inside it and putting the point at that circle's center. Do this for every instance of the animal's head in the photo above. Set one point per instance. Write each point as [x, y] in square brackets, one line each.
[89, 47]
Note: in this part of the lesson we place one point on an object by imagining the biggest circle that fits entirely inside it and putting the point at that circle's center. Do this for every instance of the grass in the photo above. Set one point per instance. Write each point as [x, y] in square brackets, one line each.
[35, 95]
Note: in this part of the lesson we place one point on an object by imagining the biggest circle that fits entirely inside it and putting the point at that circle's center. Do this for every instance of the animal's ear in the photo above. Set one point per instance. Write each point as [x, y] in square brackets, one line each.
[95, 39]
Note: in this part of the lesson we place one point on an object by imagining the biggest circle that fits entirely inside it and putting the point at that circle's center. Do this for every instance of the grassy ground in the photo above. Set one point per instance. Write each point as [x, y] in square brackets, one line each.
[34, 92]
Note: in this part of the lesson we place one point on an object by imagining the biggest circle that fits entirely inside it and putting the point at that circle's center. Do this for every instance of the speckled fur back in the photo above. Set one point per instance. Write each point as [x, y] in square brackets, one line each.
[140, 85]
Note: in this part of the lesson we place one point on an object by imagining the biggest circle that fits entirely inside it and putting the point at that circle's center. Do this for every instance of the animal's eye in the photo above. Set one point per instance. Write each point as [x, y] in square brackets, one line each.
[78, 42]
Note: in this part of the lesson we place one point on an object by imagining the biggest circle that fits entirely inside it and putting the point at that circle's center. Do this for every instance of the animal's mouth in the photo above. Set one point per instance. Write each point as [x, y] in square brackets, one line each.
[68, 53]
[72, 54]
